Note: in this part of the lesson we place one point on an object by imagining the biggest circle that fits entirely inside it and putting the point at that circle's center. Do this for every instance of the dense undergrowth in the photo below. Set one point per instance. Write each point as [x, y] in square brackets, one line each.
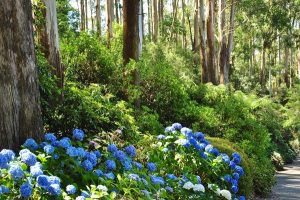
[263, 130]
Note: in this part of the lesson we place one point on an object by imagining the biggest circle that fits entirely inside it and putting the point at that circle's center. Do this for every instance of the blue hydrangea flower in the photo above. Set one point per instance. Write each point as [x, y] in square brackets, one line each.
[227, 178]
[97, 153]
[169, 189]
[71, 189]
[242, 198]
[112, 148]
[35, 171]
[169, 129]
[239, 170]
[78, 134]
[9, 154]
[28, 158]
[199, 136]
[43, 181]
[54, 189]
[236, 176]
[134, 177]
[92, 158]
[186, 131]
[55, 156]
[87, 165]
[3, 161]
[110, 165]
[49, 149]
[110, 175]
[31, 144]
[193, 142]
[146, 193]
[161, 137]
[151, 166]
[172, 177]
[99, 172]
[72, 151]
[25, 190]
[16, 171]
[234, 189]
[138, 165]
[50, 137]
[232, 165]
[127, 165]
[203, 155]
[120, 155]
[157, 180]
[65, 142]
[5, 190]
[54, 180]
[225, 158]
[130, 150]
[81, 152]
[236, 158]
[177, 126]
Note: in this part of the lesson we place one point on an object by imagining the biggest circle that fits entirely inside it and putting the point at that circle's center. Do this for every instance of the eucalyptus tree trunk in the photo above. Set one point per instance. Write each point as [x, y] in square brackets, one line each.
[82, 15]
[109, 20]
[50, 41]
[263, 67]
[86, 15]
[20, 111]
[230, 39]
[98, 17]
[203, 40]
[183, 25]
[223, 52]
[149, 19]
[91, 10]
[117, 11]
[161, 14]
[286, 67]
[211, 42]
[131, 37]
[155, 20]
[196, 26]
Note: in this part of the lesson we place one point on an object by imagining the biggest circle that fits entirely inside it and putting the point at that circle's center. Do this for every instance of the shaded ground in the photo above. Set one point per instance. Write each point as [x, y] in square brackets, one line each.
[288, 183]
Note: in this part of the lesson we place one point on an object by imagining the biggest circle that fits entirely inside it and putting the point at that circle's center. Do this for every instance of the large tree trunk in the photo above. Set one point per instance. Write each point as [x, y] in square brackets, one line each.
[50, 42]
[131, 38]
[20, 112]
[230, 41]
[82, 15]
[155, 20]
[109, 20]
[211, 42]
[196, 26]
[223, 52]
[203, 39]
[98, 17]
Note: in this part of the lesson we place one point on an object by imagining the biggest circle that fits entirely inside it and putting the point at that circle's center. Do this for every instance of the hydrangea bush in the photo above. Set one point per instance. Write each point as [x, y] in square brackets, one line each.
[72, 168]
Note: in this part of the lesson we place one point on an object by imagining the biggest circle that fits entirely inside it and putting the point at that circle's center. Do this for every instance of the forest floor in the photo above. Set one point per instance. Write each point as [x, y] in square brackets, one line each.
[288, 183]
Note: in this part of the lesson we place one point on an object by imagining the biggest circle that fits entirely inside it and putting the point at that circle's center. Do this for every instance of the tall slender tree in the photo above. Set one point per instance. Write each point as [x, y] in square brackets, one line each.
[109, 19]
[98, 17]
[131, 38]
[155, 20]
[196, 26]
[50, 41]
[20, 111]
[82, 15]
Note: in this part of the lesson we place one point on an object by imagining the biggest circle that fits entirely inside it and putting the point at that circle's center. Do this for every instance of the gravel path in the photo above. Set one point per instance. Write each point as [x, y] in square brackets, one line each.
[288, 183]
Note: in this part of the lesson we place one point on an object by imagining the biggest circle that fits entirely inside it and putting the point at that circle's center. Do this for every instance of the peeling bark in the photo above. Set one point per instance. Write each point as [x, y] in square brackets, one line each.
[20, 112]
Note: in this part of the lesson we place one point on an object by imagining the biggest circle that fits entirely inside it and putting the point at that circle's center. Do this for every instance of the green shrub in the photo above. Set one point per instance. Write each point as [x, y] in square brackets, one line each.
[93, 109]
